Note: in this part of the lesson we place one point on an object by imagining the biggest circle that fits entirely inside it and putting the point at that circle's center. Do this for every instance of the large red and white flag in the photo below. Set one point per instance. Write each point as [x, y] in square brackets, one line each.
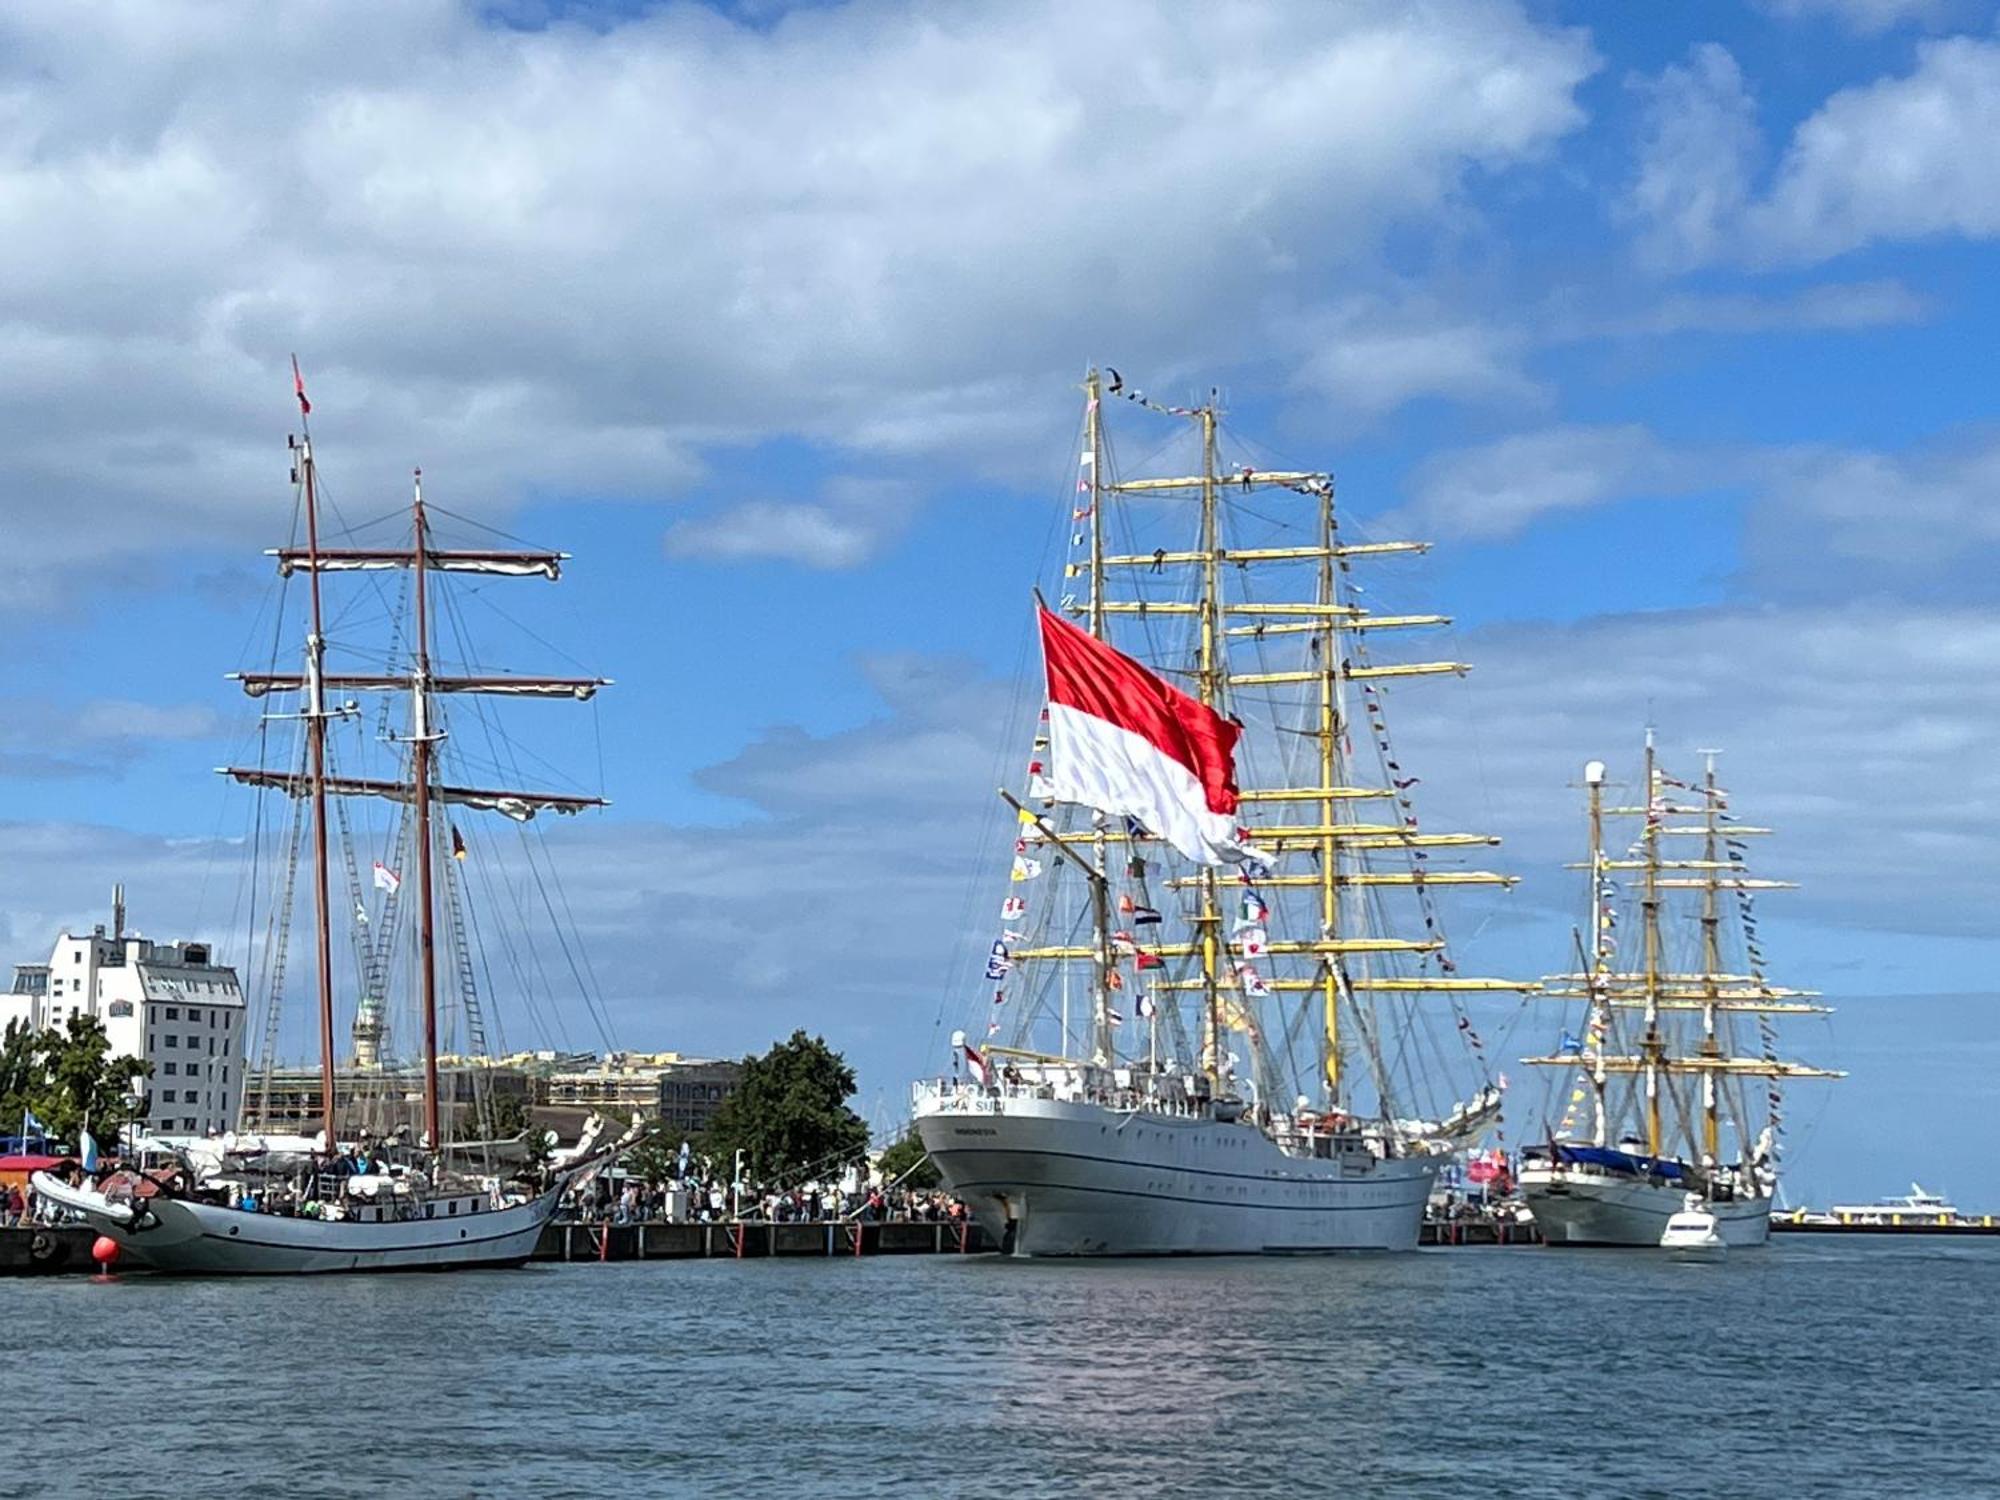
[1125, 743]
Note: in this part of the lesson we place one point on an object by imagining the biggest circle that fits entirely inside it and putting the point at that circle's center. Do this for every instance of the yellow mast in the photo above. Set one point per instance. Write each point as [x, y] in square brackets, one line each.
[1329, 851]
[1213, 669]
[1653, 1047]
[1598, 1022]
[1711, 964]
[1100, 997]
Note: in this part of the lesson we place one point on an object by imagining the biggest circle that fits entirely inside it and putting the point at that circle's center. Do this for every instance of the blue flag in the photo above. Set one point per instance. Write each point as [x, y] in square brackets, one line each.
[1571, 1043]
[89, 1151]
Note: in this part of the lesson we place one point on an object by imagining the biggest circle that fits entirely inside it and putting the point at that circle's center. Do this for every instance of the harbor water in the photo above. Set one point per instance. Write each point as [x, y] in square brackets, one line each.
[1818, 1366]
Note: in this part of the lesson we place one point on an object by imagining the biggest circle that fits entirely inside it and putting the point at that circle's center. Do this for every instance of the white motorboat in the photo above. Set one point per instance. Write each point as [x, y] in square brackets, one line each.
[1693, 1233]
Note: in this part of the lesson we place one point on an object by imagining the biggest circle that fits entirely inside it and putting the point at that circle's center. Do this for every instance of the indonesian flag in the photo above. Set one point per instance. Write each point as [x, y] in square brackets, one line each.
[386, 879]
[1125, 743]
[975, 1062]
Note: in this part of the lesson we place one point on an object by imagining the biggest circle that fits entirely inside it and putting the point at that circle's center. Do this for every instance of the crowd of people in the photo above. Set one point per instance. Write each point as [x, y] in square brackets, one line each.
[697, 1201]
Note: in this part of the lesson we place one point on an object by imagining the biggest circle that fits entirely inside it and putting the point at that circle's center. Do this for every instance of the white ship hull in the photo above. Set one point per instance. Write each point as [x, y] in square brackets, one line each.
[1576, 1208]
[179, 1236]
[1050, 1177]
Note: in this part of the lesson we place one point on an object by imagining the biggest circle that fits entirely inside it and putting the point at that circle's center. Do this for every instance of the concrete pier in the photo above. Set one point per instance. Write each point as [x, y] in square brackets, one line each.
[756, 1241]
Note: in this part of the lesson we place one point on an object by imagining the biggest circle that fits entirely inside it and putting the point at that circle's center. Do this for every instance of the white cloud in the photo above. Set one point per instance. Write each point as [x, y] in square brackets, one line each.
[1697, 158]
[1883, 161]
[1370, 359]
[1833, 307]
[1498, 489]
[842, 530]
[580, 256]
[1894, 159]
[97, 737]
[809, 534]
[1865, 17]
[1855, 731]
[1923, 522]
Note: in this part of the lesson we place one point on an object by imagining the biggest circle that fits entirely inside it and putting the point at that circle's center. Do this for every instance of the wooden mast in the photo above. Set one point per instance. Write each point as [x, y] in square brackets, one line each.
[420, 784]
[316, 716]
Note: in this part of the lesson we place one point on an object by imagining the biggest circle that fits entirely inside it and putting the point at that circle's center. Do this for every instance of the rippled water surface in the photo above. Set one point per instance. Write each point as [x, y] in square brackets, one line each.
[1820, 1366]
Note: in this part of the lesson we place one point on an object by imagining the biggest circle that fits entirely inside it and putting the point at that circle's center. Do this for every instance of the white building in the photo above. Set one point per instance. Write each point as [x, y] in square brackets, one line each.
[168, 1003]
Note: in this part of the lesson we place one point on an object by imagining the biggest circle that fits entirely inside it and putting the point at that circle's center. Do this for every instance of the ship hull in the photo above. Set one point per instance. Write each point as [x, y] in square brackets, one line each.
[1586, 1209]
[177, 1236]
[1066, 1178]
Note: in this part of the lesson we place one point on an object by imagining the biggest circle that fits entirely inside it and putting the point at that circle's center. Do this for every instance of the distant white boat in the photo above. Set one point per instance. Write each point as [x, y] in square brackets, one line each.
[1917, 1205]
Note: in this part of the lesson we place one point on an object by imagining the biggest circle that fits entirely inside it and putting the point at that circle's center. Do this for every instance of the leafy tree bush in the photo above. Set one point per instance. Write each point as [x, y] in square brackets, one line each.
[789, 1115]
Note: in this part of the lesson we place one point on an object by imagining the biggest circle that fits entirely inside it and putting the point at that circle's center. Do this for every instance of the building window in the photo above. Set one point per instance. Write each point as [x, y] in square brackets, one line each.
[171, 1040]
[173, 1012]
[166, 1096]
[170, 1069]
[225, 1073]
[193, 1014]
[188, 1126]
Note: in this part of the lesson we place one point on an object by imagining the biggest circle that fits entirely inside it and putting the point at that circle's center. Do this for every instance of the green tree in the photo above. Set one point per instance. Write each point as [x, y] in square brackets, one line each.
[82, 1083]
[789, 1115]
[21, 1073]
[909, 1163]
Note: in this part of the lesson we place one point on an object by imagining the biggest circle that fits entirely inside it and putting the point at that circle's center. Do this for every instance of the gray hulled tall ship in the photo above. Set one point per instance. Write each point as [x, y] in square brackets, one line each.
[1232, 1024]
[1678, 1025]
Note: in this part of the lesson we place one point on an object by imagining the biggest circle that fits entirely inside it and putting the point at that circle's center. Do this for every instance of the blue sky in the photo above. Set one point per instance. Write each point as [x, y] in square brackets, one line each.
[1672, 327]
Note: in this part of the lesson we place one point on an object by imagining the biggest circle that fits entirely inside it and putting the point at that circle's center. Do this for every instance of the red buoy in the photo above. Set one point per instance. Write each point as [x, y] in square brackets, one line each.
[104, 1250]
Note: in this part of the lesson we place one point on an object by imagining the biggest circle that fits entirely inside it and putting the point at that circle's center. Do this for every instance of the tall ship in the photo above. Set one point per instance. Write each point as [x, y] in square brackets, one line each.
[1678, 1024]
[1219, 1014]
[400, 1190]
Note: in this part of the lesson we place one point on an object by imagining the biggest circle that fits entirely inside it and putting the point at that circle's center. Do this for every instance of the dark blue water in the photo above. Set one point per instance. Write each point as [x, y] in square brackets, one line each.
[1820, 1366]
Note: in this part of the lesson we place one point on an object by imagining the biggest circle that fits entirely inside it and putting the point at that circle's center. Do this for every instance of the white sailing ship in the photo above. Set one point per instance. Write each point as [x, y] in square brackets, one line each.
[403, 1203]
[1656, 1113]
[1240, 1074]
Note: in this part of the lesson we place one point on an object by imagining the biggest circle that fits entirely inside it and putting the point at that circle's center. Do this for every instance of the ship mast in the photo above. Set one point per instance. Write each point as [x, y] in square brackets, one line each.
[1100, 888]
[421, 741]
[1597, 1027]
[1653, 1047]
[1209, 681]
[1330, 708]
[316, 717]
[1711, 964]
